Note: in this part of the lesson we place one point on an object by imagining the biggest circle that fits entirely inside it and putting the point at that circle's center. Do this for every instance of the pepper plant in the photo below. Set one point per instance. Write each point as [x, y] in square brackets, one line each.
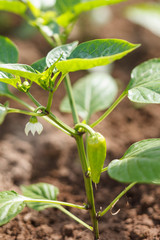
[95, 92]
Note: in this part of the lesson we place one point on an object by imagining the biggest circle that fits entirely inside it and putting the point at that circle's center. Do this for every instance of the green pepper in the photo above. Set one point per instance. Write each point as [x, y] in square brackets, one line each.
[96, 150]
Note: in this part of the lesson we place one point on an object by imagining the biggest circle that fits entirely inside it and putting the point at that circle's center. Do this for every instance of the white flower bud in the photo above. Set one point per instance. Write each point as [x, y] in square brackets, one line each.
[34, 126]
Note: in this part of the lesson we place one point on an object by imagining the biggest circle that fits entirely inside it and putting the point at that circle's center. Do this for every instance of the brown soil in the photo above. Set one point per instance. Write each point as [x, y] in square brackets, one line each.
[52, 157]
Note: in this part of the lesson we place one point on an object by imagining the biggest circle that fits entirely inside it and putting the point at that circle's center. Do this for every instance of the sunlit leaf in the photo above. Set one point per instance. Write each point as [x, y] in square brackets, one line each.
[140, 163]
[147, 15]
[10, 205]
[144, 86]
[13, 6]
[69, 10]
[40, 191]
[95, 53]
[61, 53]
[92, 93]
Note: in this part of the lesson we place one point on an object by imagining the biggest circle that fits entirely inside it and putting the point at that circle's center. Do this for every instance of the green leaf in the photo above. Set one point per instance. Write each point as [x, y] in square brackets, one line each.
[10, 205]
[95, 53]
[61, 53]
[8, 51]
[20, 70]
[9, 79]
[69, 10]
[4, 91]
[147, 15]
[92, 93]
[144, 86]
[8, 54]
[40, 191]
[13, 6]
[140, 163]
[3, 113]
[40, 65]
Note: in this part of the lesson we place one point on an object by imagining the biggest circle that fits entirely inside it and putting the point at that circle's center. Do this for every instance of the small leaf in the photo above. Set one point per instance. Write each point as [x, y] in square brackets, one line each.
[8, 51]
[11, 204]
[40, 191]
[144, 86]
[61, 53]
[13, 6]
[92, 93]
[147, 15]
[69, 10]
[95, 53]
[20, 70]
[9, 79]
[40, 65]
[140, 163]
[3, 113]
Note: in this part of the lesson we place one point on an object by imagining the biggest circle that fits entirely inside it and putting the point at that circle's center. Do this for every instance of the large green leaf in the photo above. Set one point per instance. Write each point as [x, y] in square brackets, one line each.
[40, 191]
[40, 65]
[95, 53]
[60, 53]
[70, 9]
[92, 93]
[8, 51]
[140, 163]
[13, 6]
[144, 86]
[146, 15]
[8, 54]
[4, 88]
[10, 205]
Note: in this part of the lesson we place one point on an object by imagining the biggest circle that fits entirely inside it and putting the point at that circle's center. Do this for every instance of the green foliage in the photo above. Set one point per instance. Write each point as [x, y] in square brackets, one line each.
[140, 163]
[147, 15]
[14, 6]
[69, 10]
[10, 205]
[8, 51]
[95, 53]
[92, 93]
[3, 113]
[40, 191]
[144, 86]
[40, 65]
[60, 53]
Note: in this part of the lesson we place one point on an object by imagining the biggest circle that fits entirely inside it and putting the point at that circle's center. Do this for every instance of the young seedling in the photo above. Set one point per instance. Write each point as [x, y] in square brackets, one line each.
[95, 92]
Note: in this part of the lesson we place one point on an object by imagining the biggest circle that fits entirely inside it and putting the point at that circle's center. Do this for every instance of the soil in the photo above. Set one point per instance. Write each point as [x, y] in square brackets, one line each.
[52, 157]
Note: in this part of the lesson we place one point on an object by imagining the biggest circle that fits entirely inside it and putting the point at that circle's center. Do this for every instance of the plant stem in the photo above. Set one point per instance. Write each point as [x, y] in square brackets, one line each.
[69, 89]
[55, 202]
[49, 104]
[88, 186]
[14, 110]
[121, 97]
[100, 214]
[62, 124]
[74, 217]
[71, 99]
[84, 126]
[13, 97]
[33, 99]
[104, 169]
